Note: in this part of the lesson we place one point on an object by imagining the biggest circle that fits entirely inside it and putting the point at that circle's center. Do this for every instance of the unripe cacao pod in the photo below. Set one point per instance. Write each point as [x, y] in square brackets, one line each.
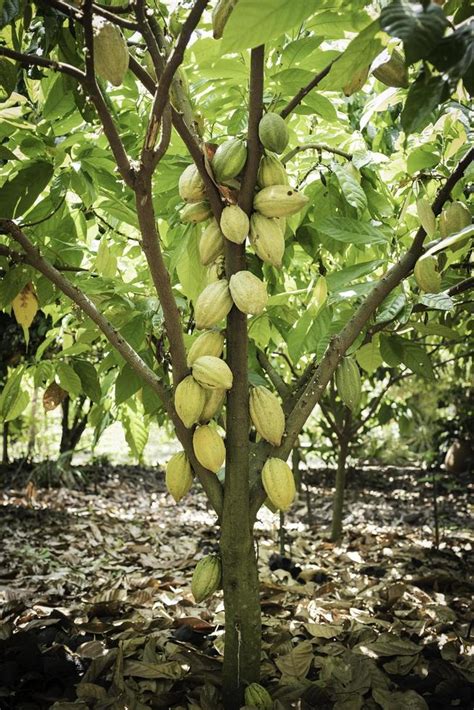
[256, 696]
[273, 132]
[191, 185]
[189, 399]
[234, 224]
[267, 239]
[348, 383]
[248, 292]
[179, 476]
[110, 51]
[195, 212]
[279, 201]
[212, 373]
[216, 271]
[214, 401]
[212, 304]
[278, 482]
[393, 72]
[206, 577]
[229, 159]
[455, 217]
[426, 275]
[220, 15]
[211, 244]
[209, 343]
[271, 171]
[209, 448]
[267, 414]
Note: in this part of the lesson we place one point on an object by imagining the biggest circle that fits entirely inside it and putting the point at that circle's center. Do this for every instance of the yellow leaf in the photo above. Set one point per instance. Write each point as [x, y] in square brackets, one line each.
[25, 306]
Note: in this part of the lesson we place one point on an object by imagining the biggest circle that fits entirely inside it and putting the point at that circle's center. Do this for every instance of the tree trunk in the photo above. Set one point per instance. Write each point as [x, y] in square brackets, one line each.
[5, 443]
[336, 530]
[32, 431]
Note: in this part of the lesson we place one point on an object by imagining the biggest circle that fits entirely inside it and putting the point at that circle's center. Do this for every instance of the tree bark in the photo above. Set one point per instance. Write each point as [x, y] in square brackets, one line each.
[336, 530]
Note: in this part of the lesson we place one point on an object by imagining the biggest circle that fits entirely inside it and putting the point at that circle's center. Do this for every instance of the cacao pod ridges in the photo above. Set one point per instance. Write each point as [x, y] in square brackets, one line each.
[279, 483]
[267, 415]
[212, 304]
[267, 239]
[209, 448]
[426, 274]
[273, 132]
[211, 244]
[179, 476]
[211, 342]
[189, 400]
[110, 51]
[194, 212]
[248, 292]
[212, 373]
[213, 404]
[228, 160]
[206, 577]
[256, 696]
[279, 201]
[348, 383]
[234, 224]
[191, 185]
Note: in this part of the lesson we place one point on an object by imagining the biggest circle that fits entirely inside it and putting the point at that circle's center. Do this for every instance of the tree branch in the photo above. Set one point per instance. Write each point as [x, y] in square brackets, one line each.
[315, 146]
[278, 382]
[296, 100]
[36, 60]
[254, 147]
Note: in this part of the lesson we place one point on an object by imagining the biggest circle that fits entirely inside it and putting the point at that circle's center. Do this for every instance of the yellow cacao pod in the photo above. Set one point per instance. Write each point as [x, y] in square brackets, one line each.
[257, 697]
[195, 212]
[267, 239]
[209, 448]
[212, 304]
[179, 476]
[189, 399]
[206, 577]
[220, 15]
[278, 482]
[279, 201]
[348, 383]
[210, 342]
[271, 171]
[273, 132]
[212, 373]
[234, 224]
[248, 292]
[455, 217]
[214, 401]
[228, 160]
[110, 51]
[191, 185]
[267, 414]
[216, 271]
[211, 244]
[426, 275]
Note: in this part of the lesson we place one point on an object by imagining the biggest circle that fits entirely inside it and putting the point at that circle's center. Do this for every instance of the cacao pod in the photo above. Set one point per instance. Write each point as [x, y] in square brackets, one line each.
[189, 399]
[179, 476]
[256, 696]
[271, 171]
[195, 212]
[393, 72]
[216, 270]
[211, 244]
[191, 185]
[229, 159]
[209, 343]
[212, 304]
[458, 456]
[212, 373]
[248, 292]
[267, 415]
[278, 482]
[273, 132]
[110, 51]
[206, 577]
[426, 215]
[348, 383]
[455, 217]
[208, 448]
[214, 401]
[220, 15]
[279, 201]
[234, 224]
[426, 275]
[267, 239]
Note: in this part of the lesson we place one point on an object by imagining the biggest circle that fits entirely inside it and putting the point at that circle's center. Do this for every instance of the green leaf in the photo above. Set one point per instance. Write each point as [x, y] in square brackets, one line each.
[136, 431]
[126, 384]
[68, 379]
[12, 399]
[351, 231]
[338, 279]
[8, 77]
[358, 55]
[416, 359]
[438, 301]
[20, 193]
[9, 9]
[420, 28]
[352, 191]
[89, 379]
[423, 96]
[391, 350]
[391, 306]
[368, 356]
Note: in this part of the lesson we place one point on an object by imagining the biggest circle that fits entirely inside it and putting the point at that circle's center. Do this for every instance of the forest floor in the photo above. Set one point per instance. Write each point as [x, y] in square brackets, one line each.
[96, 609]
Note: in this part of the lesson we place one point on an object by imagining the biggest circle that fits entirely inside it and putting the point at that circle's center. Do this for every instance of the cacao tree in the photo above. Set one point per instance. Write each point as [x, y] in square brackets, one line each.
[155, 126]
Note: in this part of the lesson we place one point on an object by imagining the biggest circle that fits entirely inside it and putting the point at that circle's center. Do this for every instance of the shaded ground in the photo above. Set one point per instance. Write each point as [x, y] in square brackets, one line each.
[96, 609]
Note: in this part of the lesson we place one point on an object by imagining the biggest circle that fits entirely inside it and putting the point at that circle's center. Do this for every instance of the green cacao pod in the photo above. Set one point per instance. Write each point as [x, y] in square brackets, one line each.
[278, 482]
[179, 476]
[271, 171]
[267, 414]
[212, 304]
[214, 401]
[229, 159]
[208, 448]
[220, 15]
[212, 373]
[110, 51]
[393, 72]
[234, 224]
[210, 342]
[426, 275]
[273, 132]
[258, 697]
[267, 239]
[454, 217]
[248, 292]
[279, 201]
[348, 383]
[195, 212]
[206, 577]
[211, 244]
[191, 185]
[189, 399]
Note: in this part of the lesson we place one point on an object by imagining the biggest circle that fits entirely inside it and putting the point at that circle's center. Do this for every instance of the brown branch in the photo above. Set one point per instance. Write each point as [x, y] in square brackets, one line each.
[461, 287]
[36, 60]
[278, 382]
[18, 258]
[296, 100]
[150, 40]
[254, 147]
[315, 146]
[108, 13]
